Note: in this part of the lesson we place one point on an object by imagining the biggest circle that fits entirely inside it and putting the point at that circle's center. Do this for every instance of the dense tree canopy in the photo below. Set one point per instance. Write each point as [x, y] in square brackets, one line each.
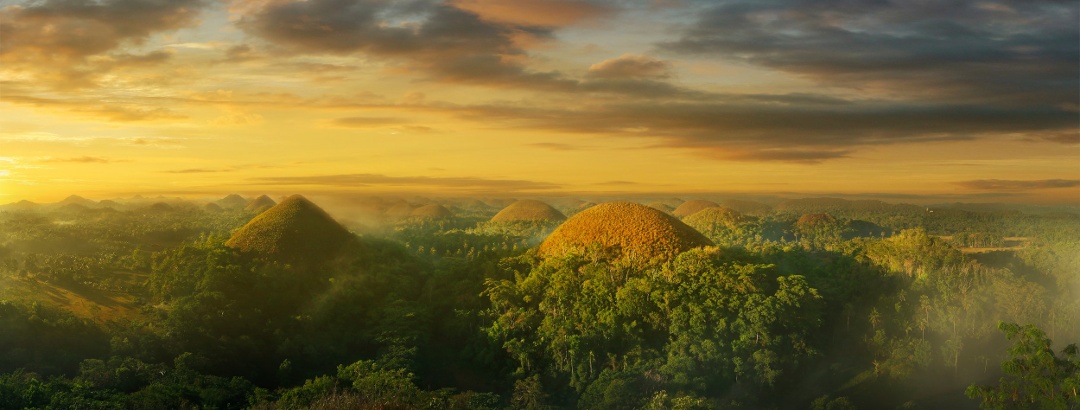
[857, 305]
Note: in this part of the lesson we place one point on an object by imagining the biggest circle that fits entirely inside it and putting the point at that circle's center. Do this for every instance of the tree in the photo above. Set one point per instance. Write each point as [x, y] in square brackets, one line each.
[1035, 377]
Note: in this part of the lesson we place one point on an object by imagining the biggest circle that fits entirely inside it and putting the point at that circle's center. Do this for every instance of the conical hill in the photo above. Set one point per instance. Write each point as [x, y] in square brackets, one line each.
[260, 204]
[813, 220]
[432, 211]
[294, 230]
[623, 229]
[692, 207]
[233, 201]
[747, 207]
[528, 210]
[712, 221]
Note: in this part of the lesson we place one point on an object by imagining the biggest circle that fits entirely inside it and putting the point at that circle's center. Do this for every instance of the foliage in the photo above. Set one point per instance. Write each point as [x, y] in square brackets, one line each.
[873, 308]
[1035, 377]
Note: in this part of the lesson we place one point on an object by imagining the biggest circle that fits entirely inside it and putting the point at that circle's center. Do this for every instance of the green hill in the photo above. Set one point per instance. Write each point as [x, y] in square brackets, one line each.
[711, 221]
[294, 230]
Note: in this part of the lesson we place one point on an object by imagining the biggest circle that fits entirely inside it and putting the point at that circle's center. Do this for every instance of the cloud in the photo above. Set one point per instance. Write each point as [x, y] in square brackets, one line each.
[197, 171]
[367, 122]
[240, 52]
[636, 66]
[1019, 52]
[766, 131]
[361, 180]
[1069, 137]
[113, 111]
[447, 42]
[556, 146]
[54, 39]
[545, 13]
[1018, 185]
[443, 42]
[79, 160]
[379, 28]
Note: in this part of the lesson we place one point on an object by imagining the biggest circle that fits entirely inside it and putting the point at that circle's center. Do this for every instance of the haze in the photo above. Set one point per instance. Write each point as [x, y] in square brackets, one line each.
[921, 102]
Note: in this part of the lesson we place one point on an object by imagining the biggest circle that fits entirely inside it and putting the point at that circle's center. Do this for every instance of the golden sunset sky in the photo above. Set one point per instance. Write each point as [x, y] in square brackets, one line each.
[941, 100]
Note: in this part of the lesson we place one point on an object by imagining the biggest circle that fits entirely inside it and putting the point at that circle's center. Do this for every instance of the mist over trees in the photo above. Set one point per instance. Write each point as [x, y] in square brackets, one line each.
[811, 304]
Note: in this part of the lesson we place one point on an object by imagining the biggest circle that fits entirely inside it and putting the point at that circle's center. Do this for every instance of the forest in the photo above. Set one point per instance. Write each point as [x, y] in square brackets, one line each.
[559, 303]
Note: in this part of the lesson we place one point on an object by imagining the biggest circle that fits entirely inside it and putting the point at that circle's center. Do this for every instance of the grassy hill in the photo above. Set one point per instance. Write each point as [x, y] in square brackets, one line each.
[294, 230]
[624, 229]
[693, 206]
[528, 210]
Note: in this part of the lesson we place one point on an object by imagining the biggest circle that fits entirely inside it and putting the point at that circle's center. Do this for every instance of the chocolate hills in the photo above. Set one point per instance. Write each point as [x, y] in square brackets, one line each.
[528, 210]
[260, 204]
[624, 229]
[747, 207]
[432, 211]
[710, 221]
[692, 206]
[809, 221]
[661, 206]
[398, 210]
[294, 230]
[233, 201]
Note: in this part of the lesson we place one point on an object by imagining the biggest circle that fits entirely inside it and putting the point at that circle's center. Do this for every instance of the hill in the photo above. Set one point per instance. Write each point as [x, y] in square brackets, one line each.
[710, 221]
[747, 207]
[260, 204]
[78, 201]
[398, 210]
[692, 206]
[233, 201]
[814, 220]
[294, 230]
[22, 205]
[623, 229]
[842, 206]
[661, 206]
[432, 211]
[528, 210]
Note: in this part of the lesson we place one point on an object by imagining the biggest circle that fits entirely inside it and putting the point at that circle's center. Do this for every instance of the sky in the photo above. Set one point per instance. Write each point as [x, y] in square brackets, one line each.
[945, 100]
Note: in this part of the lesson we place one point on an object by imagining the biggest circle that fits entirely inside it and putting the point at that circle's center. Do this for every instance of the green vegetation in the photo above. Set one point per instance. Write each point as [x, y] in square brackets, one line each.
[820, 304]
